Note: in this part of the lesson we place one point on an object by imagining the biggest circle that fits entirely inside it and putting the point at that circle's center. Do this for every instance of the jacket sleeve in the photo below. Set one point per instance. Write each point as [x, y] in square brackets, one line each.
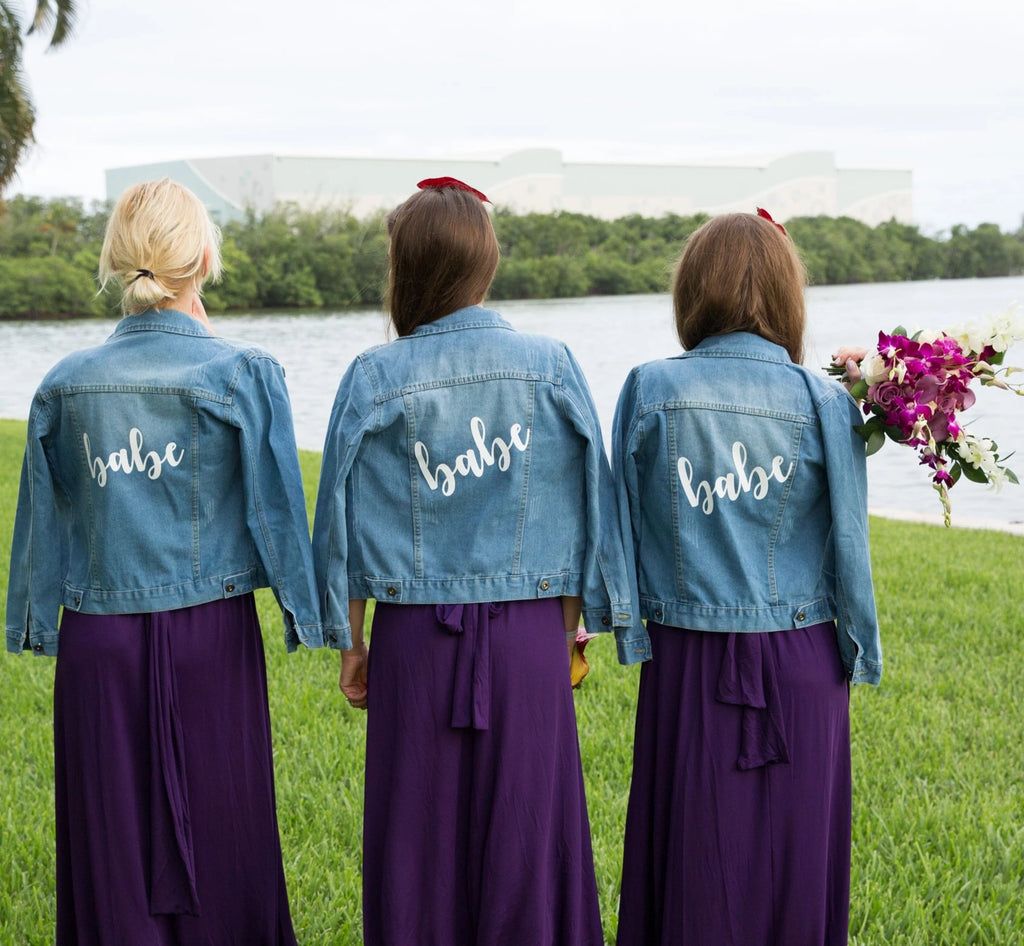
[845, 460]
[608, 599]
[275, 501]
[352, 411]
[38, 550]
[626, 494]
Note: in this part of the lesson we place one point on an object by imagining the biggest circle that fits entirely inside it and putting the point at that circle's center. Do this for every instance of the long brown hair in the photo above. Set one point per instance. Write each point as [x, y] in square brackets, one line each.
[740, 273]
[444, 255]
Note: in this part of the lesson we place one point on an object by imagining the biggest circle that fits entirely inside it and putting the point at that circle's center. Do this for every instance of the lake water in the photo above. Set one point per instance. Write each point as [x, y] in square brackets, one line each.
[609, 335]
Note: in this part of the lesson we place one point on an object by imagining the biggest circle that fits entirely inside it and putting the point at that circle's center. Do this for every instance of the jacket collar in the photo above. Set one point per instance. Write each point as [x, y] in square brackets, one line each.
[740, 343]
[473, 316]
[160, 320]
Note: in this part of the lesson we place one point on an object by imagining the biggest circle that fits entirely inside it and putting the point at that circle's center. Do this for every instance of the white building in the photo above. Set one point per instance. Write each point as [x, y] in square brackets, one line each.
[795, 185]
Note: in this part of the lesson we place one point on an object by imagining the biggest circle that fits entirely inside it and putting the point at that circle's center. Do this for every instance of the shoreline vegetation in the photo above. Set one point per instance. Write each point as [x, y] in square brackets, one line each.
[291, 258]
[938, 832]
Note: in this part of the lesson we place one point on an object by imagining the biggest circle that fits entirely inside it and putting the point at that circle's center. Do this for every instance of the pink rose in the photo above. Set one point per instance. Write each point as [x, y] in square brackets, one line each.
[886, 394]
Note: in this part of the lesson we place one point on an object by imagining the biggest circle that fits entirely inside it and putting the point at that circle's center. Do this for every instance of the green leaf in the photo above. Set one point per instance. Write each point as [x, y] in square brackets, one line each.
[973, 473]
[859, 390]
[866, 428]
[873, 434]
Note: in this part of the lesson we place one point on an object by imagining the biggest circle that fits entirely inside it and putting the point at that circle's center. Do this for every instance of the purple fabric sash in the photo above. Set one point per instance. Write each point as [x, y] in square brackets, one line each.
[748, 677]
[172, 861]
[471, 688]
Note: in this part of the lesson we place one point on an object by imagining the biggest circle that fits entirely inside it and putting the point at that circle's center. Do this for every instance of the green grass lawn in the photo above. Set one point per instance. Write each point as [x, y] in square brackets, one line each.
[938, 836]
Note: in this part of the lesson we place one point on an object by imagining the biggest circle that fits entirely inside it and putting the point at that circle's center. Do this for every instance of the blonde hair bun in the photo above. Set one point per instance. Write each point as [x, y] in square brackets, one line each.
[160, 244]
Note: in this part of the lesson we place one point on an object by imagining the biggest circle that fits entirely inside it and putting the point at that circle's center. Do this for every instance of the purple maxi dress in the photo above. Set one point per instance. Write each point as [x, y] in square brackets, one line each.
[475, 822]
[739, 817]
[166, 825]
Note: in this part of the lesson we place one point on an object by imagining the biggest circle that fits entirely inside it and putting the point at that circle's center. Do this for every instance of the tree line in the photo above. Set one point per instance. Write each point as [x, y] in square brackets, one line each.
[293, 258]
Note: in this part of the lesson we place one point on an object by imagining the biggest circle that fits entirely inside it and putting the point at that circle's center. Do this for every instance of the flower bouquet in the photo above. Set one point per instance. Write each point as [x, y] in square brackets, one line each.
[914, 388]
[579, 667]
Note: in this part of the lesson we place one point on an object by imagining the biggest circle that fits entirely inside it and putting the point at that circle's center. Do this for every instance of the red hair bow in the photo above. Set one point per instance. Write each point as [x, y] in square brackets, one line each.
[761, 212]
[436, 183]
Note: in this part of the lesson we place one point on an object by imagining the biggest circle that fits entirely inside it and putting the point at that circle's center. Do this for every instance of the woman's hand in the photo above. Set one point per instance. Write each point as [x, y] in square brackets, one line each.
[572, 611]
[352, 682]
[850, 358]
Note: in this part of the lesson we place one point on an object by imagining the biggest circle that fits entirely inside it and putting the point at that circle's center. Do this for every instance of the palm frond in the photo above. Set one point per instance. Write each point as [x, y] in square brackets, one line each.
[17, 116]
[56, 17]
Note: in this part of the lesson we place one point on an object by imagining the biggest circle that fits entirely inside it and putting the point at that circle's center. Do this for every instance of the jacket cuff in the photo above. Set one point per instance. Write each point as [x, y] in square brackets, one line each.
[309, 635]
[613, 617]
[337, 637]
[633, 644]
[43, 644]
[866, 671]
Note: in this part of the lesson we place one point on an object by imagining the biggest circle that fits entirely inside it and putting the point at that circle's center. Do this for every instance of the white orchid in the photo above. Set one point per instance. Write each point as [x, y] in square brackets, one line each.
[978, 451]
[1007, 329]
[1000, 331]
[998, 478]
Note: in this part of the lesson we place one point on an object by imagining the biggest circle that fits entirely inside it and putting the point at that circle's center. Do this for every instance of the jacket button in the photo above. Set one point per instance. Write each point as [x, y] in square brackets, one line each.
[333, 638]
[392, 592]
[37, 647]
[606, 620]
[78, 601]
[658, 613]
[800, 616]
[229, 588]
[544, 585]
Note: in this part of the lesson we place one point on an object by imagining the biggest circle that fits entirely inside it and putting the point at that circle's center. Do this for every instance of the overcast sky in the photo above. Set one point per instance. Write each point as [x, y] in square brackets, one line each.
[935, 87]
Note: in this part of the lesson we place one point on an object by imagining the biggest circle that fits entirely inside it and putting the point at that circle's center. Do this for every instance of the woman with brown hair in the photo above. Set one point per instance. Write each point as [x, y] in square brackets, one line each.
[466, 489]
[743, 485]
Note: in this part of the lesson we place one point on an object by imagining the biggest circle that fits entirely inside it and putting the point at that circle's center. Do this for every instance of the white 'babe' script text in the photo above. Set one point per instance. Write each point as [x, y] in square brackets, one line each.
[731, 485]
[474, 461]
[131, 459]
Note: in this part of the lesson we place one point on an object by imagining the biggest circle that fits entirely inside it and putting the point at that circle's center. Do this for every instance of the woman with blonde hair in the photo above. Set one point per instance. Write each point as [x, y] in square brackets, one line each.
[465, 488]
[160, 487]
[743, 486]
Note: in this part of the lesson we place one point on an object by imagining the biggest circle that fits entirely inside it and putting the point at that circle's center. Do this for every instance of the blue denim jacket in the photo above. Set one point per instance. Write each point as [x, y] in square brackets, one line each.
[160, 472]
[745, 488]
[464, 463]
